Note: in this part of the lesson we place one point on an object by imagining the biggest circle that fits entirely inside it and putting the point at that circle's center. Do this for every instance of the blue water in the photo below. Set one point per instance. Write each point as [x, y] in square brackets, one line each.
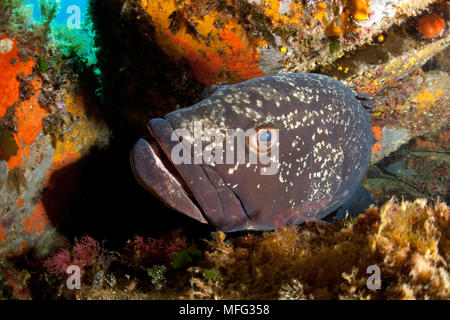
[62, 16]
[71, 30]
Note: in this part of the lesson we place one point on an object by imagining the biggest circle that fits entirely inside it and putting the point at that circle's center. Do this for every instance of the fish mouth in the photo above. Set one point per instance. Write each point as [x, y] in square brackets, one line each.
[195, 190]
[156, 174]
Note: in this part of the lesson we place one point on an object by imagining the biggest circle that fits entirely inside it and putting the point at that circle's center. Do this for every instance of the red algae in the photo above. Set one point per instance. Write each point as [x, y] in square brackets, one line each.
[2, 232]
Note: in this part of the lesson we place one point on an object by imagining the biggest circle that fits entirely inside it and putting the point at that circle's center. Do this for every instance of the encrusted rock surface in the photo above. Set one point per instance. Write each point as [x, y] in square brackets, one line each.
[44, 132]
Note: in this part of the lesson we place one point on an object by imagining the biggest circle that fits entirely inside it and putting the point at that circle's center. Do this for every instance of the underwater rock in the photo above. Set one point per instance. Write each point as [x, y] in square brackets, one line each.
[419, 169]
[390, 140]
[42, 141]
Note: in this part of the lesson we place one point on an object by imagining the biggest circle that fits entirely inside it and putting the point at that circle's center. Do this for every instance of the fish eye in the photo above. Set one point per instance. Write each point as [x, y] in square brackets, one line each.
[264, 138]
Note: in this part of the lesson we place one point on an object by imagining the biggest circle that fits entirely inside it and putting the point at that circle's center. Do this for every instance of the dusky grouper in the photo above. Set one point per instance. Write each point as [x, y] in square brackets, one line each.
[319, 129]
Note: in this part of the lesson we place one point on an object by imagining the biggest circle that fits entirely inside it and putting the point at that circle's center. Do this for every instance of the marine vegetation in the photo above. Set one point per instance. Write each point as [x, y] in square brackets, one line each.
[61, 40]
[49, 10]
[408, 241]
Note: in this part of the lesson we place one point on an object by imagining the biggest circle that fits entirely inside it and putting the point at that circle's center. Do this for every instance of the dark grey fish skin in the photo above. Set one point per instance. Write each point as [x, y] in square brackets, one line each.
[325, 142]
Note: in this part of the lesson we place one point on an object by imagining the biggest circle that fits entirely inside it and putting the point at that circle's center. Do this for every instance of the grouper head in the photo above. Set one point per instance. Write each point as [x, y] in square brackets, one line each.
[311, 137]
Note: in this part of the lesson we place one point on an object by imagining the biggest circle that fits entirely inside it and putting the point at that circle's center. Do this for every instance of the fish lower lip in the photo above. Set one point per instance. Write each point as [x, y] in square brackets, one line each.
[156, 173]
[166, 165]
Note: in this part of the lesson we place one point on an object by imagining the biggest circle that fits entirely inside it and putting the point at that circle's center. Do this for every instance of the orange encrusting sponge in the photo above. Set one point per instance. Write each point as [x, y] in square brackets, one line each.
[431, 25]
